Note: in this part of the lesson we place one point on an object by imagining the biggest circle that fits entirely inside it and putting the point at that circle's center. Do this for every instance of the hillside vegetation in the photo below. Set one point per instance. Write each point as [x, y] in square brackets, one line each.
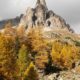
[22, 55]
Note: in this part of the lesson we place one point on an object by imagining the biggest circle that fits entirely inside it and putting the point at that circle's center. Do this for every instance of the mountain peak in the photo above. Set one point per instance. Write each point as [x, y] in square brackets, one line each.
[42, 3]
[40, 15]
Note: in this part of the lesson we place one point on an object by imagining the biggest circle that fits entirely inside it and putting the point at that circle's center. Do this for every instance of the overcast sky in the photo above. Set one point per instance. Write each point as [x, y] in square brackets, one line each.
[68, 9]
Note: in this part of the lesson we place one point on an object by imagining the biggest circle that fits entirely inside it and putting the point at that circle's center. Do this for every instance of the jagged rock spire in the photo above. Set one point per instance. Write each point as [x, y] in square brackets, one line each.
[40, 15]
[42, 2]
[38, 1]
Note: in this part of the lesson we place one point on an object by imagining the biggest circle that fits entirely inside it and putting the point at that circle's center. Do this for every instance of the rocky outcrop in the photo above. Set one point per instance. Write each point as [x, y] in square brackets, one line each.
[40, 15]
[63, 75]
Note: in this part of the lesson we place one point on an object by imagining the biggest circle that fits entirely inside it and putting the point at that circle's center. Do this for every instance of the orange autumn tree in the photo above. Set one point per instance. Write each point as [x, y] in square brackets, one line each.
[31, 73]
[9, 30]
[63, 54]
[38, 47]
[35, 40]
[7, 56]
[20, 32]
[23, 60]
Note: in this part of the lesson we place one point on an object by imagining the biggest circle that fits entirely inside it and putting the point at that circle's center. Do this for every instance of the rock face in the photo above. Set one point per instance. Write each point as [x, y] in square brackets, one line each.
[40, 15]
[63, 75]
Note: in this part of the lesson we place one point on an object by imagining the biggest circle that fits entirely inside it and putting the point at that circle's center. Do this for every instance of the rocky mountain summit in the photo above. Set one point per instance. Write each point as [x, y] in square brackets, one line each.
[41, 16]
[52, 25]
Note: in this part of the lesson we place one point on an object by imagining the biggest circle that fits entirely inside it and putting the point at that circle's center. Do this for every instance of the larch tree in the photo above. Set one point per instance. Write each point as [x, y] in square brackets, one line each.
[7, 56]
[35, 41]
[31, 73]
[23, 60]
[63, 54]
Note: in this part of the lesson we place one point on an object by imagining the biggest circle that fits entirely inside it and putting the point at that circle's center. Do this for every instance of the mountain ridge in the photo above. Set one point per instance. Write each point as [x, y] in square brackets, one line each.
[39, 15]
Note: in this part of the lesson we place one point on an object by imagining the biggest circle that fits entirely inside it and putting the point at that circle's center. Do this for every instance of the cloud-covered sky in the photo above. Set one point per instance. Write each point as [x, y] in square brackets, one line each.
[68, 9]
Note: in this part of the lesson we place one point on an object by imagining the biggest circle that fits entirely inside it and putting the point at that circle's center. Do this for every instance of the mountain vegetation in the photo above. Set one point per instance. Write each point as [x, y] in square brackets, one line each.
[21, 56]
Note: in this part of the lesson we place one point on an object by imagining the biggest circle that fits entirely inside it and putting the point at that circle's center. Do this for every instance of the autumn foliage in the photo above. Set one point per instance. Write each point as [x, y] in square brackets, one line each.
[64, 55]
[21, 54]
[31, 73]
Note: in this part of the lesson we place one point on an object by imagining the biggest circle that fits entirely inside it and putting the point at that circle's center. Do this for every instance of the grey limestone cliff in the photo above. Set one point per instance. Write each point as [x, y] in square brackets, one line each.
[40, 15]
